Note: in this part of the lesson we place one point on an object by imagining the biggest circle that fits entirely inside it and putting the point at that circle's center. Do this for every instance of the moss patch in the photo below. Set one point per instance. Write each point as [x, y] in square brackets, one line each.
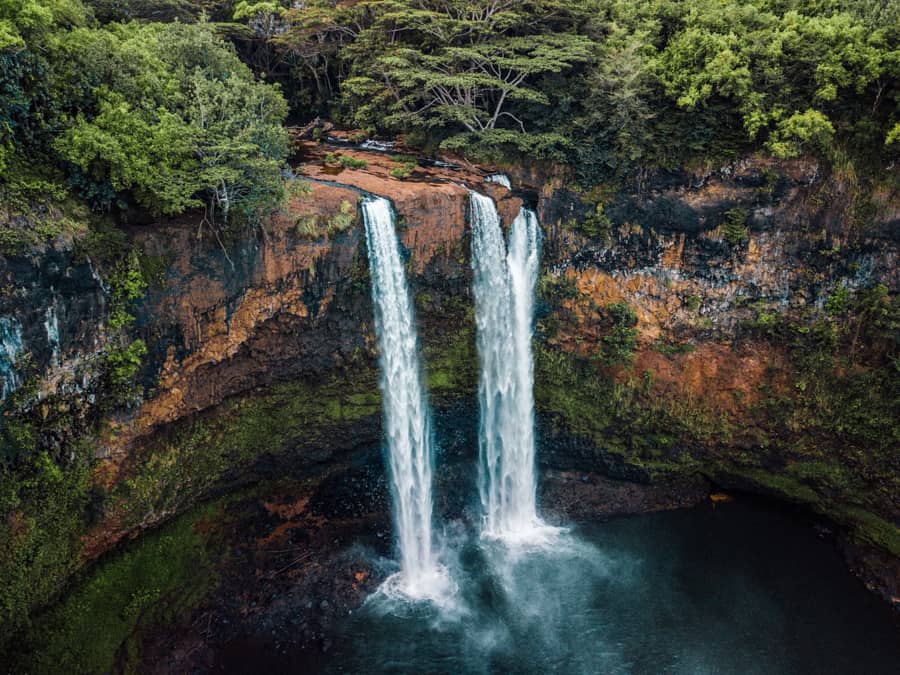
[151, 581]
[622, 416]
[451, 360]
[45, 512]
[48, 503]
[875, 530]
[187, 462]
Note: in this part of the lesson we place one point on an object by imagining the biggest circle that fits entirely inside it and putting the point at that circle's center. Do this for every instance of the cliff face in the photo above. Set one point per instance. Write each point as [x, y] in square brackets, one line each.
[280, 329]
[259, 360]
[670, 342]
[51, 317]
[759, 348]
[293, 302]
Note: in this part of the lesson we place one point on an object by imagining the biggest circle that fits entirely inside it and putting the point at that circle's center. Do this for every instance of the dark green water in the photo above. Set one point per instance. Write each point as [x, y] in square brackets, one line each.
[741, 588]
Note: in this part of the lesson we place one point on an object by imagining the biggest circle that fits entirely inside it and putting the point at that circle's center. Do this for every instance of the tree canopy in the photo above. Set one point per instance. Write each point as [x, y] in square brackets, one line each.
[170, 104]
[165, 115]
[457, 63]
[610, 86]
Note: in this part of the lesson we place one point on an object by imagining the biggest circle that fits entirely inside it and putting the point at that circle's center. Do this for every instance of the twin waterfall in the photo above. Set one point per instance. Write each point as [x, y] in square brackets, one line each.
[504, 282]
[504, 295]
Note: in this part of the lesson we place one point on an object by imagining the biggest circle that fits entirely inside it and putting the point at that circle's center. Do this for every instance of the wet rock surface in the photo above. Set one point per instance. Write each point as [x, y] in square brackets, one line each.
[576, 496]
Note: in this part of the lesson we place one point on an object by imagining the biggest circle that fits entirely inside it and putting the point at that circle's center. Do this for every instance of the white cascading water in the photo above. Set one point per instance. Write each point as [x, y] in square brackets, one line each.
[499, 179]
[407, 419]
[504, 302]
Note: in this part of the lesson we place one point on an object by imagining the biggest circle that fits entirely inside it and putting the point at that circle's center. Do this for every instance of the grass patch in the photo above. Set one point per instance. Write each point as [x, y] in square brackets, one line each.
[668, 348]
[780, 484]
[874, 530]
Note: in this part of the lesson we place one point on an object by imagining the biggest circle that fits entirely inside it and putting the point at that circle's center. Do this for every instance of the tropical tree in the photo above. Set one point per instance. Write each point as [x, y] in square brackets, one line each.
[169, 113]
[433, 63]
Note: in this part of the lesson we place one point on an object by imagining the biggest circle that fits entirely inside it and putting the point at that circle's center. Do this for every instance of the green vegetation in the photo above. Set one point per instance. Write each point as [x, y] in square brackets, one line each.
[195, 456]
[107, 105]
[481, 63]
[122, 109]
[451, 358]
[345, 161]
[152, 581]
[164, 116]
[343, 219]
[35, 211]
[406, 168]
[734, 228]
[307, 226]
[613, 87]
[597, 224]
[621, 417]
[46, 509]
[671, 348]
[620, 342]
[692, 302]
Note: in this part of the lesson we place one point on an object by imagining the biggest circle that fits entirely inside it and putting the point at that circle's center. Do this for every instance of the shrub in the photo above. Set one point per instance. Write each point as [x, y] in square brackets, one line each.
[597, 224]
[734, 229]
[342, 221]
[619, 344]
[345, 161]
[407, 163]
[692, 302]
[349, 162]
[307, 227]
[401, 172]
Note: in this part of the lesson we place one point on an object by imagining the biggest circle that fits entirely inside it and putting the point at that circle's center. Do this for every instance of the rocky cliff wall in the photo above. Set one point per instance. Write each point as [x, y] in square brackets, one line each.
[707, 323]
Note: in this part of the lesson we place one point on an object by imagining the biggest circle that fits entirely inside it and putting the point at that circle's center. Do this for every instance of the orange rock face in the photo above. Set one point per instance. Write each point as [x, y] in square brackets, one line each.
[215, 321]
[234, 312]
[432, 202]
[717, 376]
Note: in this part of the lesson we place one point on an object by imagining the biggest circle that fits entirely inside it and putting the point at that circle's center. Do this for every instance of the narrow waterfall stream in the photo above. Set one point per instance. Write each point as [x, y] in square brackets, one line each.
[406, 414]
[504, 288]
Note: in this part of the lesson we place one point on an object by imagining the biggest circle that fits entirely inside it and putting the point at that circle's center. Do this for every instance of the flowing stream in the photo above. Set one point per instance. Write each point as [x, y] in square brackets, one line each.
[504, 282]
[406, 414]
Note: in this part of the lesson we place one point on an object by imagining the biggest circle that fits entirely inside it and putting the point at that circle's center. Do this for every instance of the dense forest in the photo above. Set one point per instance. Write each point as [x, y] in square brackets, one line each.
[148, 103]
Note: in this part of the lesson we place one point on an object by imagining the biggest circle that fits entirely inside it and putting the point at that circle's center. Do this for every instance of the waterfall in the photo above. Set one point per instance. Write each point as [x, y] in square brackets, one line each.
[406, 415]
[499, 179]
[10, 349]
[51, 326]
[504, 288]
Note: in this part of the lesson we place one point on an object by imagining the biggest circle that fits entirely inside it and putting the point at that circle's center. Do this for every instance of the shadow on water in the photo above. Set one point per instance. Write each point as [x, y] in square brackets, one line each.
[741, 588]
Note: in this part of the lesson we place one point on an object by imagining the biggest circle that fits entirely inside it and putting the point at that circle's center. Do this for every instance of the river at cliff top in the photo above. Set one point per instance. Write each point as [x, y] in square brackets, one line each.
[733, 588]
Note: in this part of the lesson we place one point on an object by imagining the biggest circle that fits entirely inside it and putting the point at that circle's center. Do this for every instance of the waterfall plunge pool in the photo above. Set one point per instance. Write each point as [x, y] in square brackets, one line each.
[742, 587]
[275, 577]
[739, 588]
